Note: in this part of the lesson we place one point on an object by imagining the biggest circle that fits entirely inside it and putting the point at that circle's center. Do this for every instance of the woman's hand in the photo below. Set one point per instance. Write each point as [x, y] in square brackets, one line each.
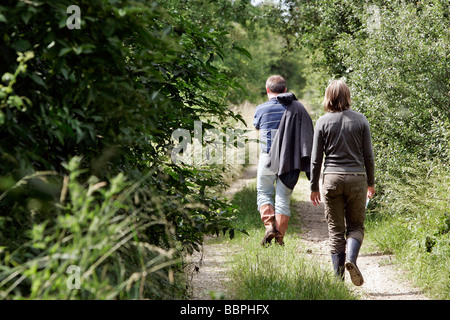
[370, 191]
[315, 198]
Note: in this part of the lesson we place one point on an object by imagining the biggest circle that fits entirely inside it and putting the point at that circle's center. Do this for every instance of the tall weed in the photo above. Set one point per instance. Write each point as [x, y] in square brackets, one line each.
[96, 248]
[414, 223]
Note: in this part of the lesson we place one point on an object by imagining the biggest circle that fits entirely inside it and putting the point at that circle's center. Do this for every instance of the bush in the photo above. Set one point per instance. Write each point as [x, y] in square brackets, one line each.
[394, 56]
[110, 93]
[414, 223]
[400, 82]
[398, 73]
[96, 246]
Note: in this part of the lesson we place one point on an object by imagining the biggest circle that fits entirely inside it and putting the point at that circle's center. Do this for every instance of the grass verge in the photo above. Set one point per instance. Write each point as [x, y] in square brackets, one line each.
[414, 225]
[426, 257]
[275, 272]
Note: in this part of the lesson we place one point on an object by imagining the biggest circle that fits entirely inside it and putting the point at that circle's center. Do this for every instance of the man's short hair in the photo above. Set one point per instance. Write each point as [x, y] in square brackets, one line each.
[337, 97]
[276, 84]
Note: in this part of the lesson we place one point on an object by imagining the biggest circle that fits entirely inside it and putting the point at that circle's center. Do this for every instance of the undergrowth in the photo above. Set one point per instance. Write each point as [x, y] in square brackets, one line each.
[413, 223]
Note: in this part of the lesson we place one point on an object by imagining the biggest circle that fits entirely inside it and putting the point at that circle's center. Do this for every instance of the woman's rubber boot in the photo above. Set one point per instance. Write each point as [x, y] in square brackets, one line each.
[268, 218]
[338, 260]
[281, 225]
[353, 247]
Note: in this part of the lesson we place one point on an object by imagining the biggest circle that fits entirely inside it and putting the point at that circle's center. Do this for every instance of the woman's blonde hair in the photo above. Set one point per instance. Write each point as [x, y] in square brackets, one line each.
[337, 97]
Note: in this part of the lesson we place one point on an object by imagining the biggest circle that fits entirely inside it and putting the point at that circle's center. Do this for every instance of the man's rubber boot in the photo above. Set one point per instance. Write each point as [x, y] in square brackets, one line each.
[353, 247]
[281, 225]
[338, 260]
[268, 218]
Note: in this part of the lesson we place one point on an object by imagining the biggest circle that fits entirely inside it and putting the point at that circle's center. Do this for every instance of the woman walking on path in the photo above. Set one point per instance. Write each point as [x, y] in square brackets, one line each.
[348, 176]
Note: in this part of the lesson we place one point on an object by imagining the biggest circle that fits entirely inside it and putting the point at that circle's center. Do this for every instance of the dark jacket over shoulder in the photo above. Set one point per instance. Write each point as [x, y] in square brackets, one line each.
[291, 149]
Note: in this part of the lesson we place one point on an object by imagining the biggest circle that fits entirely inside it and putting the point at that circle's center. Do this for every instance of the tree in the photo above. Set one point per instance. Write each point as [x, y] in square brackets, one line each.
[88, 108]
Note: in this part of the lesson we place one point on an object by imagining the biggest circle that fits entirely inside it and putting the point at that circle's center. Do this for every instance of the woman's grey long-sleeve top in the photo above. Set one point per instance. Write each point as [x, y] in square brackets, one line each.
[345, 139]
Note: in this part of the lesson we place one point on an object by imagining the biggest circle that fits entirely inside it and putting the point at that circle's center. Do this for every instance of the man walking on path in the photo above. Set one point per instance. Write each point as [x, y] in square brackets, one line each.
[348, 176]
[286, 133]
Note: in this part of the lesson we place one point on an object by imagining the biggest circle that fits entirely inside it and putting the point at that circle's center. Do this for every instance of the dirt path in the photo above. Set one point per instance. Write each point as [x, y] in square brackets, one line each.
[383, 281]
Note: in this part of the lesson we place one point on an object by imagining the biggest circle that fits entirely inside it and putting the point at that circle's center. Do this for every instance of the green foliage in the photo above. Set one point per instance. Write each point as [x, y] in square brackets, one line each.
[317, 25]
[255, 49]
[418, 225]
[394, 56]
[268, 56]
[8, 100]
[401, 83]
[97, 230]
[111, 92]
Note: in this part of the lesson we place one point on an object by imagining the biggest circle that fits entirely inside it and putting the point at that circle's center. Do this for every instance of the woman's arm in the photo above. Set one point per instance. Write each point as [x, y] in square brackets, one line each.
[316, 158]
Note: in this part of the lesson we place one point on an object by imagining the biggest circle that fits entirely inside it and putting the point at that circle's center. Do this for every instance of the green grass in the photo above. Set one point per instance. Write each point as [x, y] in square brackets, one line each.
[423, 253]
[414, 225]
[275, 272]
[97, 248]
[282, 273]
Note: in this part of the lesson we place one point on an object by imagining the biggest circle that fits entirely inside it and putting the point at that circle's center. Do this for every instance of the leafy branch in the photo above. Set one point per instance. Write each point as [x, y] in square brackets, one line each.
[6, 96]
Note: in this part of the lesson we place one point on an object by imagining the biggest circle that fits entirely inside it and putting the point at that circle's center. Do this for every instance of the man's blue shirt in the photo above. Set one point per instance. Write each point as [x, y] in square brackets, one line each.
[267, 118]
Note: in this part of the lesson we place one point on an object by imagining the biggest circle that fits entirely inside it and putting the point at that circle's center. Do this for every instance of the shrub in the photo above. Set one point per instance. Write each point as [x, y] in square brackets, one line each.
[110, 93]
[96, 246]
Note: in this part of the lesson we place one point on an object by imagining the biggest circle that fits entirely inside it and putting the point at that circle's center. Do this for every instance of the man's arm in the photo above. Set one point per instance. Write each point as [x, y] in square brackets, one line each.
[256, 120]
